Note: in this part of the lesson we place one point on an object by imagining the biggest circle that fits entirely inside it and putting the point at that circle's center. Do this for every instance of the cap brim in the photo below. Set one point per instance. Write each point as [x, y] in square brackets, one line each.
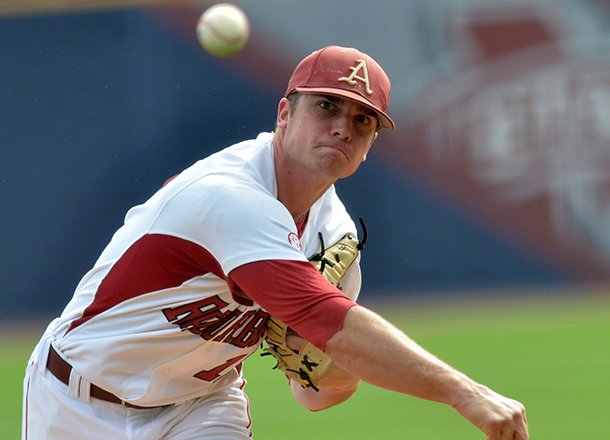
[384, 119]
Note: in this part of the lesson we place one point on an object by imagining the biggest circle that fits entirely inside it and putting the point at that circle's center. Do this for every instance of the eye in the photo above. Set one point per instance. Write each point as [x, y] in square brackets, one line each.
[364, 119]
[327, 105]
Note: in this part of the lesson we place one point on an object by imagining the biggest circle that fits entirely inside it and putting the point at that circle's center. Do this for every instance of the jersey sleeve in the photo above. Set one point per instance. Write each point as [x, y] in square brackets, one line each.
[236, 222]
[296, 293]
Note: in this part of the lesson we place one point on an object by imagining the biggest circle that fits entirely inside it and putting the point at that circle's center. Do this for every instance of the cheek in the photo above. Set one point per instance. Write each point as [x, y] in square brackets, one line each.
[365, 151]
[293, 124]
[357, 160]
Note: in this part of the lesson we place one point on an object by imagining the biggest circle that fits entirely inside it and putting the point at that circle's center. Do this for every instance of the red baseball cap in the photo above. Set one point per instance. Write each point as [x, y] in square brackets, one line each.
[345, 72]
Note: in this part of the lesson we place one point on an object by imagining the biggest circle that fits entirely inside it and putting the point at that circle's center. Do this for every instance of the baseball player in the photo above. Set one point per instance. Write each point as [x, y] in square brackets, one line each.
[152, 343]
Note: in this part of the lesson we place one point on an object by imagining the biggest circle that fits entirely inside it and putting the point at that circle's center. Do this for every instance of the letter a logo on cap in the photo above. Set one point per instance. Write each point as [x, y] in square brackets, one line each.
[354, 78]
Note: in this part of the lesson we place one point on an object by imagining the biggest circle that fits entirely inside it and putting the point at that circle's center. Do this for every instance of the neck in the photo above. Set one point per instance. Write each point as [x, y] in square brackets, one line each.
[296, 193]
[297, 188]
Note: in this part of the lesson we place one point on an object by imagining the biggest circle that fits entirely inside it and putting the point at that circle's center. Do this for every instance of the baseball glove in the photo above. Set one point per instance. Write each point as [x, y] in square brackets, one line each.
[308, 365]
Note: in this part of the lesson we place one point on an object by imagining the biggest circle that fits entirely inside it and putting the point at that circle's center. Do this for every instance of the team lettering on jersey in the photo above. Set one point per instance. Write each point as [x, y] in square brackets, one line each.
[210, 319]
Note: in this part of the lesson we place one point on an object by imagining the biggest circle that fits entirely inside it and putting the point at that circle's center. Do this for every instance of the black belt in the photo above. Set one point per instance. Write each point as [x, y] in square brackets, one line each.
[61, 370]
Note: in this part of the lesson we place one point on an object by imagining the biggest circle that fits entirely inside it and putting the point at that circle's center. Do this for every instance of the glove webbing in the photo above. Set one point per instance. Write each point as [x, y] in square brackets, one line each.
[348, 247]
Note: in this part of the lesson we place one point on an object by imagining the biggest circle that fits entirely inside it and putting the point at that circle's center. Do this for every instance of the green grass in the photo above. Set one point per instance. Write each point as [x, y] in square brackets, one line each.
[15, 348]
[553, 354]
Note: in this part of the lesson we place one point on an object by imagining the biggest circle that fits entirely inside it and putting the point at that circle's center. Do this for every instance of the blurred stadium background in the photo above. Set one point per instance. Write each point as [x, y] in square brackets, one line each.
[498, 176]
[496, 182]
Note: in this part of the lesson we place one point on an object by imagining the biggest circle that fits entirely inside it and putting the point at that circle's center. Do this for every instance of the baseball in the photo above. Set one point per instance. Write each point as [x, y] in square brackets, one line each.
[223, 30]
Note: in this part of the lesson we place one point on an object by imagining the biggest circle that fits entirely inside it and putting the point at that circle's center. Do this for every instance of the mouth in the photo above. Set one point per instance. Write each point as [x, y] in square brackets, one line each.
[336, 148]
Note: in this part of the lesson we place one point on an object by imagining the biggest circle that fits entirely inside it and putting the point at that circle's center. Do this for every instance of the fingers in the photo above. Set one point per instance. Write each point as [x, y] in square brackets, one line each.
[508, 433]
[522, 428]
[499, 417]
[522, 432]
[514, 426]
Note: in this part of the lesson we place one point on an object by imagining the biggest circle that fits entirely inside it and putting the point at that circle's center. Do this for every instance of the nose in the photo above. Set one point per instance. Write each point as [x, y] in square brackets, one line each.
[342, 127]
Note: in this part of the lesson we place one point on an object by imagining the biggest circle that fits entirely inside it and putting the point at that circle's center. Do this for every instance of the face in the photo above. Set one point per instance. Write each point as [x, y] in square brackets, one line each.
[328, 135]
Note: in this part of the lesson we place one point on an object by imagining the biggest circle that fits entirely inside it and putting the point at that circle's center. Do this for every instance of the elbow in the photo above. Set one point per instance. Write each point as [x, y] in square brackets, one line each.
[325, 398]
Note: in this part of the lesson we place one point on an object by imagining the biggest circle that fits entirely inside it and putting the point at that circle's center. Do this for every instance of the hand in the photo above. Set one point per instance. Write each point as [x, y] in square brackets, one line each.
[499, 417]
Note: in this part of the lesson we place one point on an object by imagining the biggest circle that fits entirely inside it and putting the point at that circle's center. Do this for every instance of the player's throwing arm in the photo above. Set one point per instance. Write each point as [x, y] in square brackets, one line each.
[375, 351]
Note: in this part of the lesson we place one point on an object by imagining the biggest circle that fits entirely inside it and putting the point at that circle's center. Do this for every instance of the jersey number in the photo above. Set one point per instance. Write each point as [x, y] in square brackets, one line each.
[214, 373]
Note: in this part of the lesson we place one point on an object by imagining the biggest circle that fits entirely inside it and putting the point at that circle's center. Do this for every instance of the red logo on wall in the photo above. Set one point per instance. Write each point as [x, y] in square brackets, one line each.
[518, 134]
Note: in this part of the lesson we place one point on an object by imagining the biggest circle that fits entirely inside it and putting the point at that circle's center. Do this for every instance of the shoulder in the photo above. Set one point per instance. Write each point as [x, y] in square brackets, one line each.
[233, 180]
[242, 166]
[237, 159]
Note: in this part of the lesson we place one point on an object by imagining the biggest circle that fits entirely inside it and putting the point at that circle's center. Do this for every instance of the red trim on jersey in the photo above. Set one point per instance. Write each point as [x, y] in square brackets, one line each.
[301, 224]
[169, 180]
[296, 293]
[154, 262]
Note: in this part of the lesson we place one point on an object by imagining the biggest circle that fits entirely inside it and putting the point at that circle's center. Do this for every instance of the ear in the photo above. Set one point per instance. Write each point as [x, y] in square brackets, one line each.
[283, 111]
[370, 145]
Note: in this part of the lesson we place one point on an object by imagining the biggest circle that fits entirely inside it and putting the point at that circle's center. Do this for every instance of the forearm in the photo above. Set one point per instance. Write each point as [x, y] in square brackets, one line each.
[370, 348]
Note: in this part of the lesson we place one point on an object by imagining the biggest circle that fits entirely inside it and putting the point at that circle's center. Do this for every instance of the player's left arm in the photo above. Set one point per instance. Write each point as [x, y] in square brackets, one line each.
[335, 387]
[297, 293]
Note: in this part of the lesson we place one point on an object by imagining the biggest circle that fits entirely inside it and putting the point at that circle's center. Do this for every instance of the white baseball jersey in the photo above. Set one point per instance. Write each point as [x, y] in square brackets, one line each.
[156, 320]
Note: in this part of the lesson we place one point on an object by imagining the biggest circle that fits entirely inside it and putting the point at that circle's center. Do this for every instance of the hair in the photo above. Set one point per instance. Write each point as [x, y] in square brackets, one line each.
[294, 99]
